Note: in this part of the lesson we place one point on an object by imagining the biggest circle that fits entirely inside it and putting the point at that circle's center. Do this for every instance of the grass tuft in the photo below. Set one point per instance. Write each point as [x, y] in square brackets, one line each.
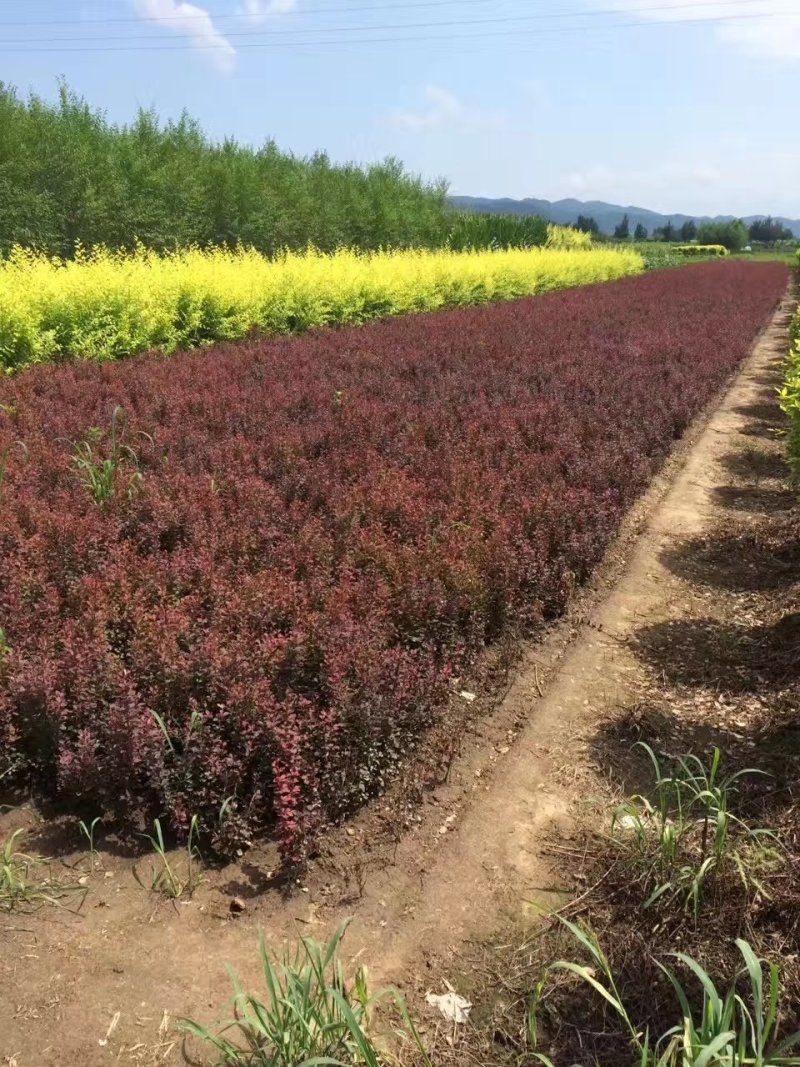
[309, 1016]
[101, 474]
[27, 881]
[166, 877]
[721, 1029]
[685, 836]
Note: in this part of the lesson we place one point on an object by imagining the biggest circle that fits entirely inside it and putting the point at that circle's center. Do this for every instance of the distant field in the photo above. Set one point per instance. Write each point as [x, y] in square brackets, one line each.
[105, 306]
[767, 256]
[247, 591]
[657, 254]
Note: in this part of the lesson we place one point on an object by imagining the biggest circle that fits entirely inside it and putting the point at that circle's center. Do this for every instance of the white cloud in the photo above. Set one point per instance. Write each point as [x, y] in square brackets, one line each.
[768, 30]
[774, 37]
[442, 108]
[589, 183]
[194, 22]
[601, 182]
[259, 10]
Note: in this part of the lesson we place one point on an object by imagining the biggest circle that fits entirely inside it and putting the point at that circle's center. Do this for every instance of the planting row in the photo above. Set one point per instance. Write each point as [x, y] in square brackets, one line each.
[237, 583]
[700, 250]
[105, 305]
[790, 393]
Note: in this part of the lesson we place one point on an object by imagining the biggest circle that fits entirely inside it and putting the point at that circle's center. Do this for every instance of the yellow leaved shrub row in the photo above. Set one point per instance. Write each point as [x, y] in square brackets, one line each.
[566, 237]
[790, 391]
[105, 305]
[700, 250]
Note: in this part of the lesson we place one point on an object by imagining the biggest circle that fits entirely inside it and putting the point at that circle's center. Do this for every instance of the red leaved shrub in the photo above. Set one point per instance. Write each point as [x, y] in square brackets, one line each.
[325, 528]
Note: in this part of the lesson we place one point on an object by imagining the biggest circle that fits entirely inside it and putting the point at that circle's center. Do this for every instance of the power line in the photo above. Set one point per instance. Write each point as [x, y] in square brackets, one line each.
[560, 30]
[378, 28]
[225, 16]
[219, 16]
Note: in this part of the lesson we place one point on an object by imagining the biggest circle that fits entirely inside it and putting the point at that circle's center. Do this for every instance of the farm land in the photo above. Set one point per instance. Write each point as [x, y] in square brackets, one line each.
[301, 541]
[103, 305]
[244, 583]
[306, 616]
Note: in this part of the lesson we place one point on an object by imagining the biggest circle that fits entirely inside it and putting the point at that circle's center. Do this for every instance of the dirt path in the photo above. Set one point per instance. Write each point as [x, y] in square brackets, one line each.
[470, 858]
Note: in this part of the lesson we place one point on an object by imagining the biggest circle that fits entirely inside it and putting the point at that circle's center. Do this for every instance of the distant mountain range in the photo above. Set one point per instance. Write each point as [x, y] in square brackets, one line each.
[606, 215]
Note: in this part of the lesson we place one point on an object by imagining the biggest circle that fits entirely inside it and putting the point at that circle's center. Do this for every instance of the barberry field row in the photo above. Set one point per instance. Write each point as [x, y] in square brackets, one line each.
[237, 583]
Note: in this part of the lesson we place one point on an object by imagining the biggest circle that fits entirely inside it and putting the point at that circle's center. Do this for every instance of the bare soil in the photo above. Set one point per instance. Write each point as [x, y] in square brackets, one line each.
[470, 834]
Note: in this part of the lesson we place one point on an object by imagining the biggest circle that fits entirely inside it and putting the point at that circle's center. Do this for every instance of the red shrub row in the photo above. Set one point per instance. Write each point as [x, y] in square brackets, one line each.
[326, 528]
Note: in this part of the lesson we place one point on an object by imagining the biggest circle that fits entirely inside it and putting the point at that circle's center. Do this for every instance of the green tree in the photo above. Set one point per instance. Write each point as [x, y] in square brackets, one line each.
[640, 233]
[769, 231]
[689, 231]
[623, 231]
[732, 235]
[587, 224]
[67, 175]
[667, 232]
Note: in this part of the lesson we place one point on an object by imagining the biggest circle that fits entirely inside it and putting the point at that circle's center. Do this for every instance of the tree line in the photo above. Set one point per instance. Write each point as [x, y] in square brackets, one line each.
[70, 176]
[732, 234]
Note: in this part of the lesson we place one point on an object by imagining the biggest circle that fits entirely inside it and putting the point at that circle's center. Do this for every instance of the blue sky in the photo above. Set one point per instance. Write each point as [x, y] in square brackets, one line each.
[669, 104]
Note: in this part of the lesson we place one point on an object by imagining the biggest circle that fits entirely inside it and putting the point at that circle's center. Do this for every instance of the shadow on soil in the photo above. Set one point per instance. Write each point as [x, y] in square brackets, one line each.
[761, 429]
[729, 679]
[771, 379]
[755, 463]
[765, 410]
[253, 882]
[739, 563]
[51, 832]
[726, 657]
[771, 744]
[761, 500]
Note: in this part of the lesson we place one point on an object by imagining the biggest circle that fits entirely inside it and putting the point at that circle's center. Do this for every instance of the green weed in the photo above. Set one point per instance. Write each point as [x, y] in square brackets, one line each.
[309, 1016]
[88, 833]
[685, 835]
[195, 725]
[27, 881]
[728, 1030]
[100, 474]
[165, 876]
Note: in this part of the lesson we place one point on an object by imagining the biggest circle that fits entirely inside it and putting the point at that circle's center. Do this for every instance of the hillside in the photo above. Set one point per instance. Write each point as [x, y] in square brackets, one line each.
[607, 215]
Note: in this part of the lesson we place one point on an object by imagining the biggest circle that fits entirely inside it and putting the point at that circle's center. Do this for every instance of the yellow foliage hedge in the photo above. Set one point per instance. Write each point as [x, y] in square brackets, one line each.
[790, 392]
[566, 237]
[701, 250]
[104, 305]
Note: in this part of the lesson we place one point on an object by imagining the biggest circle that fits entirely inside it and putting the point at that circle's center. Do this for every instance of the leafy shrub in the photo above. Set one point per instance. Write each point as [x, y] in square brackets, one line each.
[566, 237]
[106, 306]
[472, 229]
[657, 254]
[790, 392]
[326, 529]
[732, 235]
[476, 230]
[700, 250]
